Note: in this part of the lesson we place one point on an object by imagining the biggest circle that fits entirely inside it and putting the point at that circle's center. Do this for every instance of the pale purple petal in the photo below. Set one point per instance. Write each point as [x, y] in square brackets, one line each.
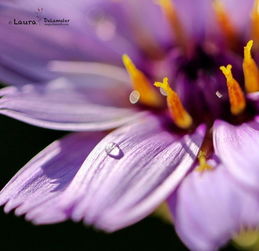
[151, 30]
[79, 71]
[116, 188]
[96, 104]
[93, 34]
[192, 16]
[48, 173]
[237, 147]
[239, 13]
[210, 207]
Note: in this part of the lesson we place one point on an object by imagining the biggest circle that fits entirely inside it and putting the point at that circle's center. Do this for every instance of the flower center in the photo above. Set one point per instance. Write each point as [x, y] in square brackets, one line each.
[183, 112]
[200, 92]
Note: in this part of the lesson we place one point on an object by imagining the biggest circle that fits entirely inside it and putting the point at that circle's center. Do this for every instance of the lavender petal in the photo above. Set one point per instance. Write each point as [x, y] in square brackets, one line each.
[119, 185]
[48, 174]
[96, 104]
[237, 147]
[26, 61]
[210, 207]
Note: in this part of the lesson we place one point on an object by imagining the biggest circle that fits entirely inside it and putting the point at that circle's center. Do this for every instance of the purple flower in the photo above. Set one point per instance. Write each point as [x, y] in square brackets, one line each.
[198, 150]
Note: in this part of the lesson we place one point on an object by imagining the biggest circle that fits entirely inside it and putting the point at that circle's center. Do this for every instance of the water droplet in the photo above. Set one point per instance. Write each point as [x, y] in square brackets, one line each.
[163, 92]
[219, 94]
[113, 150]
[134, 97]
[28, 88]
[104, 24]
[105, 30]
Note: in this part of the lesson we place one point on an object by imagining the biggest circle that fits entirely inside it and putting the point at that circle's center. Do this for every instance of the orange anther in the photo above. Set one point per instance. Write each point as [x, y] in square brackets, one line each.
[178, 113]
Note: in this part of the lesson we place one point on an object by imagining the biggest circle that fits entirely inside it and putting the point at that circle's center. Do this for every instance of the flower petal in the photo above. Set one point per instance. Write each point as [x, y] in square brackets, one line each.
[237, 147]
[210, 207]
[117, 186]
[150, 29]
[192, 15]
[100, 38]
[239, 13]
[48, 173]
[96, 104]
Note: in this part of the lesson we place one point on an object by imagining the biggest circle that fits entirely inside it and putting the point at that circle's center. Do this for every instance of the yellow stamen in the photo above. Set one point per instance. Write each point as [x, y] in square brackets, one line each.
[236, 95]
[250, 69]
[179, 115]
[247, 238]
[203, 164]
[169, 10]
[225, 23]
[148, 95]
[255, 23]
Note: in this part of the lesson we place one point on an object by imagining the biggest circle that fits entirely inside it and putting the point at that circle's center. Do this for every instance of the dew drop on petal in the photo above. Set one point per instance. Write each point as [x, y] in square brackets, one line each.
[104, 25]
[163, 92]
[219, 94]
[134, 97]
[113, 150]
[28, 88]
[105, 30]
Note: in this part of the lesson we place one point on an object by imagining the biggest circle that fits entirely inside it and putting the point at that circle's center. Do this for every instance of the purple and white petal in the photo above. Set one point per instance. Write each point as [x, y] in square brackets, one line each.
[127, 175]
[210, 207]
[97, 104]
[48, 174]
[237, 147]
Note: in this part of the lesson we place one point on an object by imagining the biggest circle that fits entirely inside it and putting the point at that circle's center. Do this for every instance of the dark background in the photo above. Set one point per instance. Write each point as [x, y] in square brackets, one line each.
[19, 142]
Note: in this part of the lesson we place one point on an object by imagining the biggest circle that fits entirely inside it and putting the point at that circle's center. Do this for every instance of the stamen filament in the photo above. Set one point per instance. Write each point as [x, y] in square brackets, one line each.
[250, 69]
[255, 23]
[178, 113]
[225, 23]
[170, 12]
[148, 95]
[236, 95]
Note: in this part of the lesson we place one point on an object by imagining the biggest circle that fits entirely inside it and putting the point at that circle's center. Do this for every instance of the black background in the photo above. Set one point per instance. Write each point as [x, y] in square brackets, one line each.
[19, 142]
